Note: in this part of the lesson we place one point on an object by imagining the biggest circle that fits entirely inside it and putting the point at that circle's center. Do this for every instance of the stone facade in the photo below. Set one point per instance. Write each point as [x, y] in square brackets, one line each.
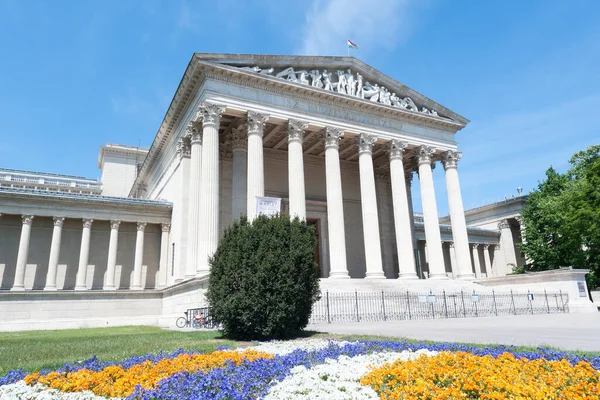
[341, 154]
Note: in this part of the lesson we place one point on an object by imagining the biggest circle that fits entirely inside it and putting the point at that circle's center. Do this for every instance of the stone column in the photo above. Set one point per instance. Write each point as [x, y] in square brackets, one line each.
[457, 216]
[487, 260]
[297, 195]
[256, 169]
[136, 282]
[194, 129]
[508, 244]
[164, 260]
[475, 248]
[519, 219]
[209, 185]
[453, 265]
[54, 254]
[335, 205]
[19, 283]
[406, 257]
[411, 215]
[181, 238]
[368, 202]
[240, 171]
[435, 256]
[113, 243]
[84, 255]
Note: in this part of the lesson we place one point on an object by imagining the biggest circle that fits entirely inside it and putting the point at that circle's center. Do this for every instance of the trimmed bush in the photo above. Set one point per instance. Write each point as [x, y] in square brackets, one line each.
[263, 278]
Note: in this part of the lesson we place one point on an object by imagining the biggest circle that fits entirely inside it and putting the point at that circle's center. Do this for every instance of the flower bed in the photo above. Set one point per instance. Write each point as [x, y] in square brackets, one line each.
[321, 369]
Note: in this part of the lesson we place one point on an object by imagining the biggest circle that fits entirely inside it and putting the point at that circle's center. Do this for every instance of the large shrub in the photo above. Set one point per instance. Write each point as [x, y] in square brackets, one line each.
[263, 279]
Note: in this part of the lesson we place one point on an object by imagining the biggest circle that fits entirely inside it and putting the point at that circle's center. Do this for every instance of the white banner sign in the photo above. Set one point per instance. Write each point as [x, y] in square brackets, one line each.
[269, 206]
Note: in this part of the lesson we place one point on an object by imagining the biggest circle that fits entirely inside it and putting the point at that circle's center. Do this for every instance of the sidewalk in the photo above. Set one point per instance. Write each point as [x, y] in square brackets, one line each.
[564, 331]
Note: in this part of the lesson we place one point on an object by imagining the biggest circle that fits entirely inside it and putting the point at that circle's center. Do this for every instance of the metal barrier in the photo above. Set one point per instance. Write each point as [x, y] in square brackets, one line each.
[395, 306]
[191, 312]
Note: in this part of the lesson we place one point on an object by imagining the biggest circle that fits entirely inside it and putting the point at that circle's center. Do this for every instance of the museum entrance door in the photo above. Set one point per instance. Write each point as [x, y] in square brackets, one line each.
[315, 222]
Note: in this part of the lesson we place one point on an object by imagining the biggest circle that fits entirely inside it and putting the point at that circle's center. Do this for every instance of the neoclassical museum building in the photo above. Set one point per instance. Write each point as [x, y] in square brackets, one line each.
[337, 141]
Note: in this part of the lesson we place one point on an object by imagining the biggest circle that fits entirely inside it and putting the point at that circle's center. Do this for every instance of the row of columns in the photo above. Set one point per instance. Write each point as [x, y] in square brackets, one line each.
[203, 213]
[84, 251]
[475, 254]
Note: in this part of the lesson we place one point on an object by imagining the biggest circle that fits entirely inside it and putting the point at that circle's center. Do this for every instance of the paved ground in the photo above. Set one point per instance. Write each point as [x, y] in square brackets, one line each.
[565, 331]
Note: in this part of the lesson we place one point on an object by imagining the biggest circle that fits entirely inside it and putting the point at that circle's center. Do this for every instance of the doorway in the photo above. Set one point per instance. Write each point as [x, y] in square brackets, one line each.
[315, 222]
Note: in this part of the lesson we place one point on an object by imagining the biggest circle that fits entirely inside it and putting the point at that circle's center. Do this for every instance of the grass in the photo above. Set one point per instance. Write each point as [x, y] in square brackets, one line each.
[35, 350]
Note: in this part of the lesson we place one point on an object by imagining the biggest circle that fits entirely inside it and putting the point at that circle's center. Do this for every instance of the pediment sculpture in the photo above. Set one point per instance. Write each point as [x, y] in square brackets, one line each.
[347, 83]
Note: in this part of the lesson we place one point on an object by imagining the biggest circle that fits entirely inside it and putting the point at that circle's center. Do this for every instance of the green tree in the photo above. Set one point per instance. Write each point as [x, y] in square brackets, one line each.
[263, 279]
[561, 218]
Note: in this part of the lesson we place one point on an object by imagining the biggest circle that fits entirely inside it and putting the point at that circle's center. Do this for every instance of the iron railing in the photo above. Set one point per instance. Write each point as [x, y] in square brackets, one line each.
[394, 306]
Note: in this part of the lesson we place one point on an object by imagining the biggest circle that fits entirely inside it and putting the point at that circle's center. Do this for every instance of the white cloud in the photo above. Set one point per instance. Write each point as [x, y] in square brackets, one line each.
[372, 24]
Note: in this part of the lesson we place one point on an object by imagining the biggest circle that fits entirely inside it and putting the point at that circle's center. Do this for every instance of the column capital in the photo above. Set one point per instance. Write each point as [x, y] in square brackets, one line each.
[114, 224]
[503, 224]
[332, 137]
[450, 159]
[474, 246]
[184, 146]
[256, 123]
[495, 247]
[27, 219]
[141, 226]
[58, 221]
[396, 149]
[166, 227]
[296, 130]
[87, 222]
[211, 113]
[424, 154]
[238, 139]
[365, 143]
[194, 131]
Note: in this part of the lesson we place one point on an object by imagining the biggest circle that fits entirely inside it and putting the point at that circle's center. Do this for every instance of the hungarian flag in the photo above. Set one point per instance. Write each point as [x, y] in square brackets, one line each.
[352, 45]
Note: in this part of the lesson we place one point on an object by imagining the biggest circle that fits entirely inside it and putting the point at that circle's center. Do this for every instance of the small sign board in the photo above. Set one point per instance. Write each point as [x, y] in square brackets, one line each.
[581, 287]
[475, 298]
[431, 298]
[530, 296]
[422, 298]
[269, 206]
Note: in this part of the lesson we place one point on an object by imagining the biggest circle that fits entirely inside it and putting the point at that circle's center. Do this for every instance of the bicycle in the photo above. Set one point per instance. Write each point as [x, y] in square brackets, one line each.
[182, 322]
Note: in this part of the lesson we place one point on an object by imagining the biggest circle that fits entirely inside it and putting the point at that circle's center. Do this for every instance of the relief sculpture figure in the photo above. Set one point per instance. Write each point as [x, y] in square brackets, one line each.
[341, 84]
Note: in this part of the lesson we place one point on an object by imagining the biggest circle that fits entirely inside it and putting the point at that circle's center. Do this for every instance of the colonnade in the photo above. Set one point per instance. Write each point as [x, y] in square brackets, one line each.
[84, 251]
[203, 211]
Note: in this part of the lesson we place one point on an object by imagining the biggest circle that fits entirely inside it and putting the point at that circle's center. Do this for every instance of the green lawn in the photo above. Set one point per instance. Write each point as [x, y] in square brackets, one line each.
[34, 350]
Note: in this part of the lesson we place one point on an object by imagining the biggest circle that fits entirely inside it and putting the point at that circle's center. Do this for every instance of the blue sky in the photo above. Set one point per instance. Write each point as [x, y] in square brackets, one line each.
[76, 75]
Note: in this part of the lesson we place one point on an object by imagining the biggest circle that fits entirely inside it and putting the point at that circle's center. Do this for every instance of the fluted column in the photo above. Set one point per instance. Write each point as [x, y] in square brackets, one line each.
[163, 261]
[297, 195]
[457, 216]
[194, 129]
[402, 223]
[508, 246]
[435, 256]
[54, 254]
[519, 220]
[209, 185]
[113, 242]
[487, 260]
[136, 282]
[256, 169]
[368, 200]
[408, 176]
[181, 212]
[476, 263]
[19, 283]
[84, 255]
[240, 173]
[335, 205]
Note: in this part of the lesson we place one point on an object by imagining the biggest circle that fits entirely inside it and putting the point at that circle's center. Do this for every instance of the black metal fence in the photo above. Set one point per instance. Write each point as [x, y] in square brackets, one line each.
[395, 306]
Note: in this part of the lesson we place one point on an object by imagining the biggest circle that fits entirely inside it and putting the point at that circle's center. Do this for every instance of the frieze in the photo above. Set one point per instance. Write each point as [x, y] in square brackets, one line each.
[340, 113]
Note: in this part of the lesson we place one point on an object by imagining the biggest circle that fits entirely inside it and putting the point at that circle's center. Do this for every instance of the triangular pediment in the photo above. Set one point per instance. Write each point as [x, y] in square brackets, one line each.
[345, 76]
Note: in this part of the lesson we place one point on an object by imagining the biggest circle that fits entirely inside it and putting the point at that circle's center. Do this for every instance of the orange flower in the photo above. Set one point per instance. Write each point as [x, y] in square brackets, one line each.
[464, 375]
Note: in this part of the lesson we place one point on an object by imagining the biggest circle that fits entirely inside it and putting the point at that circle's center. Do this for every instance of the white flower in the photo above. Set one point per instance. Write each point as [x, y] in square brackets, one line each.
[21, 391]
[286, 347]
[337, 379]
